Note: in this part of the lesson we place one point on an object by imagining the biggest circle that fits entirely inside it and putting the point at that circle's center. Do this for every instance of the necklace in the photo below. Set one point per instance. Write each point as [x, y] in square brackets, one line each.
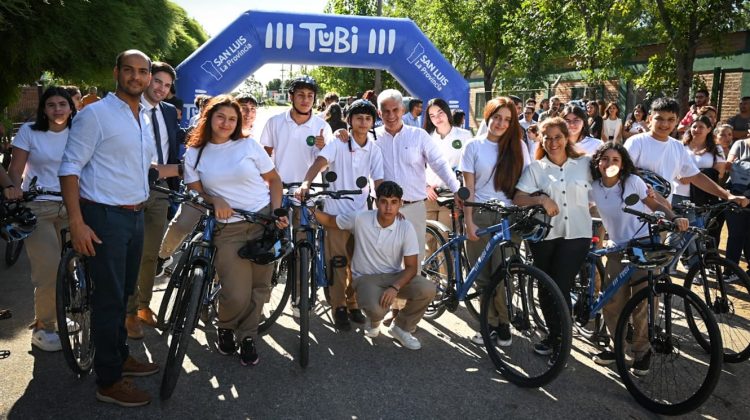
[606, 190]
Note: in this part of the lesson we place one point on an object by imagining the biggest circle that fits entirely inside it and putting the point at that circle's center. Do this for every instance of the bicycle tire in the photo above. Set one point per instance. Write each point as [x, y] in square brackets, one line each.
[439, 270]
[281, 288]
[677, 351]
[473, 300]
[171, 295]
[735, 329]
[182, 329]
[13, 252]
[303, 305]
[73, 312]
[517, 362]
[582, 301]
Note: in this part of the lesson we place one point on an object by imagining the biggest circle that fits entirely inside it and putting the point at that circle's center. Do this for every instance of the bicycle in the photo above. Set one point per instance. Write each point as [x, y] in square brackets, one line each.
[673, 346]
[197, 286]
[709, 276]
[16, 223]
[580, 293]
[517, 363]
[309, 255]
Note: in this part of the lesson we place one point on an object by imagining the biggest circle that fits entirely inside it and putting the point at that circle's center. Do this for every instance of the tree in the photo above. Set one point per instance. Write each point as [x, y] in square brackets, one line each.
[274, 85]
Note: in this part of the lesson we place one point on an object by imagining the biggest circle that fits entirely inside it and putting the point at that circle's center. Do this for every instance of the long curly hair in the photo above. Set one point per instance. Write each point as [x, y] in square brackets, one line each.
[628, 167]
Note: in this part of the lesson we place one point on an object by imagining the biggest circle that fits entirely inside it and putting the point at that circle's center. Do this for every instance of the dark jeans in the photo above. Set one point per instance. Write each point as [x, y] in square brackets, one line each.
[114, 270]
[738, 241]
[561, 259]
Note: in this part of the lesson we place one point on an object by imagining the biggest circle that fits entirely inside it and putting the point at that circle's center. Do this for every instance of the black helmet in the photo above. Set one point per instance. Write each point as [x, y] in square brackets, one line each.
[303, 82]
[534, 226]
[17, 222]
[268, 248]
[657, 182]
[362, 106]
[650, 255]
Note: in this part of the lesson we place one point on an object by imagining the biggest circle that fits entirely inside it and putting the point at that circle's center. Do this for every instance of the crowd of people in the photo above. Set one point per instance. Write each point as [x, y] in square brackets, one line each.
[575, 160]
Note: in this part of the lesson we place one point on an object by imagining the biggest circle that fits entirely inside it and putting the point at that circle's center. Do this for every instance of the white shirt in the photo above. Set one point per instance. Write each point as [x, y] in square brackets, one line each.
[45, 149]
[480, 158]
[405, 156]
[110, 152]
[620, 226]
[291, 153]
[589, 145]
[232, 171]
[163, 134]
[377, 249]
[638, 127]
[364, 161]
[611, 129]
[666, 158]
[569, 187]
[452, 145]
[702, 161]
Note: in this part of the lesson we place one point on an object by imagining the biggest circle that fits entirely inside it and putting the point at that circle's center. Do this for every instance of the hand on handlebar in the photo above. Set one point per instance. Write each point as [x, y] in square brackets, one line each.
[222, 209]
[13, 193]
[681, 223]
[471, 231]
[742, 201]
[301, 192]
[282, 222]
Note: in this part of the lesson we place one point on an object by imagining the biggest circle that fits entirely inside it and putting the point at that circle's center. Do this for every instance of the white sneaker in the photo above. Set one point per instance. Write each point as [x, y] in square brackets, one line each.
[295, 311]
[477, 339]
[73, 326]
[405, 338]
[731, 278]
[46, 340]
[371, 331]
[162, 265]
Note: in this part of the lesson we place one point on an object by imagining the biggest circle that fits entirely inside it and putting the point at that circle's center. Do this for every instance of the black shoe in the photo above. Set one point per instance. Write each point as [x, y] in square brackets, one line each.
[341, 319]
[642, 365]
[504, 339]
[629, 334]
[543, 348]
[604, 358]
[226, 344]
[248, 353]
[356, 315]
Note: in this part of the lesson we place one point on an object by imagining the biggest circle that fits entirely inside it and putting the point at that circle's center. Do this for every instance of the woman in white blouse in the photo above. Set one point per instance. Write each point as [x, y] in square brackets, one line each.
[708, 157]
[561, 174]
[612, 128]
[637, 123]
[230, 171]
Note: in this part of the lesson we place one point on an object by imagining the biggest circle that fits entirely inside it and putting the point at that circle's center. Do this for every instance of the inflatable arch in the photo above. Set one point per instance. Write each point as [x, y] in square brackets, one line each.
[257, 38]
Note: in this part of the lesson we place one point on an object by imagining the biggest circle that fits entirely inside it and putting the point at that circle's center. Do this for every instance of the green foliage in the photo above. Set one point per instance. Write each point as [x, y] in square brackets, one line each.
[78, 40]
[274, 84]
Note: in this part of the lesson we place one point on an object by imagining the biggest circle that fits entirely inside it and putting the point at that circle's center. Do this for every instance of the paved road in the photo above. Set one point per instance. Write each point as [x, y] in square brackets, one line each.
[349, 376]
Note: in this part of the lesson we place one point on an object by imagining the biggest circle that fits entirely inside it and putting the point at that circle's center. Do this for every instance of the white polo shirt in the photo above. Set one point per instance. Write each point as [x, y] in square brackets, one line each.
[405, 157]
[569, 187]
[669, 159]
[377, 249]
[364, 161]
[291, 153]
[452, 145]
[588, 145]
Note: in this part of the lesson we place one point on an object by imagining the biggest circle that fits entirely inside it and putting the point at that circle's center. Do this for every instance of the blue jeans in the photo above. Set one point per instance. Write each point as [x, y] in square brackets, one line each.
[114, 270]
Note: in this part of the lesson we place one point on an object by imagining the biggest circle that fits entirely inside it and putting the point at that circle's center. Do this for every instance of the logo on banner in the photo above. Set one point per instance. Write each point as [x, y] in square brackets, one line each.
[337, 40]
[427, 67]
[224, 60]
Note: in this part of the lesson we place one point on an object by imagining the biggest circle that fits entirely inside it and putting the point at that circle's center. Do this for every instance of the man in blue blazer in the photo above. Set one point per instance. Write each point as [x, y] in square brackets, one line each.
[167, 135]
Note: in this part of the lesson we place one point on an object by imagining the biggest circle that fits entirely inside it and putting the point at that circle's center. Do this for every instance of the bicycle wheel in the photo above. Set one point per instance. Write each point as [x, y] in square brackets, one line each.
[731, 307]
[681, 375]
[281, 288]
[12, 252]
[517, 362]
[171, 294]
[303, 256]
[473, 300]
[73, 307]
[186, 315]
[438, 269]
[582, 303]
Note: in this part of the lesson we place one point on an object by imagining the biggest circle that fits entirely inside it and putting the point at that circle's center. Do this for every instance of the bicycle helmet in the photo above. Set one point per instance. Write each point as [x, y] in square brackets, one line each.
[656, 181]
[266, 249]
[18, 223]
[303, 82]
[534, 226]
[362, 106]
[650, 256]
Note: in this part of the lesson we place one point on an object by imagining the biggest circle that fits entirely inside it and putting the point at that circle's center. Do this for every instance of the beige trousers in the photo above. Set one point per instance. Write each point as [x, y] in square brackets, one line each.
[418, 294]
[340, 243]
[613, 308]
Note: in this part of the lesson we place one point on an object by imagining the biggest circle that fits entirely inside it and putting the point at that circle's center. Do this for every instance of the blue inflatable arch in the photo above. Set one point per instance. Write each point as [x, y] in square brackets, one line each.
[257, 38]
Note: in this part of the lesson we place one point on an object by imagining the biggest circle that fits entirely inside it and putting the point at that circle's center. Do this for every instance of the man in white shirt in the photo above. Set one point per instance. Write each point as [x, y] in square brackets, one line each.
[104, 182]
[385, 265]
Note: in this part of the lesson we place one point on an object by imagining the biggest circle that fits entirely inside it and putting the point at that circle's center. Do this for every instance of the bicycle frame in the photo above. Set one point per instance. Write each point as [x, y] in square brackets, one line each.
[314, 241]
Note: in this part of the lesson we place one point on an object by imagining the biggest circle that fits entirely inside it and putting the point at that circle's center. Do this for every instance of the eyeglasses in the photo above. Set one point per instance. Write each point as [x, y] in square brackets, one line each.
[575, 121]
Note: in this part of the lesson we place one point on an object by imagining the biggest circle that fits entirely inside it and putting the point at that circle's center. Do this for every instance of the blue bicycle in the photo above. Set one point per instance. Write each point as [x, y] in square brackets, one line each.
[515, 292]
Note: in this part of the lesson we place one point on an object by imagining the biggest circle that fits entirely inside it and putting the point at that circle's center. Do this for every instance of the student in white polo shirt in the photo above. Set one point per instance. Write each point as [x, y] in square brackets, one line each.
[351, 160]
[384, 265]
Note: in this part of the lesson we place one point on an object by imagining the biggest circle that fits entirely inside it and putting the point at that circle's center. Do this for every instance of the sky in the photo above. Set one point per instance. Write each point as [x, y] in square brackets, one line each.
[215, 15]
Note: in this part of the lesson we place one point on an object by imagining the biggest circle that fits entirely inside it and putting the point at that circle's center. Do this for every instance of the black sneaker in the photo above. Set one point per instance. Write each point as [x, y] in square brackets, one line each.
[543, 348]
[356, 315]
[162, 264]
[226, 344]
[504, 339]
[248, 353]
[341, 319]
[642, 365]
[604, 358]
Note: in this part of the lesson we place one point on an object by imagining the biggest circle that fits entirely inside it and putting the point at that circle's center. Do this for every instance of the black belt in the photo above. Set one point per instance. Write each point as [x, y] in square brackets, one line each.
[415, 201]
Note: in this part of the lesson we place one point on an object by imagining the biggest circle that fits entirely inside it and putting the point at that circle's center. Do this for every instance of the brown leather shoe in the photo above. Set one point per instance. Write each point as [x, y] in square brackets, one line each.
[133, 367]
[133, 325]
[147, 317]
[123, 393]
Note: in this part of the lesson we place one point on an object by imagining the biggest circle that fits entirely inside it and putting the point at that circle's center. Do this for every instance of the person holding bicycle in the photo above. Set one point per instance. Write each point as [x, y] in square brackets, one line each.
[230, 171]
[9, 189]
[351, 160]
[37, 153]
[491, 167]
[384, 264]
[561, 174]
[614, 178]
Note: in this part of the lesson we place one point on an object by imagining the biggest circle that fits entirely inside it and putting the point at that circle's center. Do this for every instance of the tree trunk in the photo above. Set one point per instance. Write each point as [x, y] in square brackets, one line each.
[684, 62]
[489, 77]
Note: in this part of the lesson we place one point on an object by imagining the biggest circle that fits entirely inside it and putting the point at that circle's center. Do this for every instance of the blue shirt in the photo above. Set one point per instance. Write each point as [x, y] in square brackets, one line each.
[110, 152]
[412, 120]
